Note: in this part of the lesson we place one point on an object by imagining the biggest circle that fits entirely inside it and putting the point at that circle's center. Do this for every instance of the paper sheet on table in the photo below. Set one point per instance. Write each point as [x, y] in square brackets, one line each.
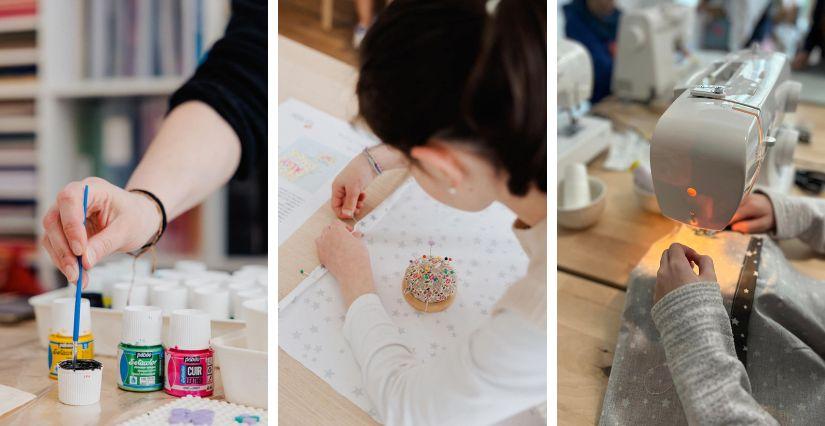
[312, 148]
[11, 398]
[488, 258]
[626, 148]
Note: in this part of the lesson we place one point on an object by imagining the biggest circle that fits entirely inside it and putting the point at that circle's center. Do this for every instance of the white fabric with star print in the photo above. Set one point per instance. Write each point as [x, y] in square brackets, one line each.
[487, 259]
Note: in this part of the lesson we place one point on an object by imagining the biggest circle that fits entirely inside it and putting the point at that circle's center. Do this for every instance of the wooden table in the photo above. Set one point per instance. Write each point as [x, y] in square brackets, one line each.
[23, 366]
[589, 316]
[326, 84]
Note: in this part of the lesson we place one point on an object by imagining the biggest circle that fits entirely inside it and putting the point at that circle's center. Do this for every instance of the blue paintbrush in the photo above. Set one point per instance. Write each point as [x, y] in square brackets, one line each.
[79, 289]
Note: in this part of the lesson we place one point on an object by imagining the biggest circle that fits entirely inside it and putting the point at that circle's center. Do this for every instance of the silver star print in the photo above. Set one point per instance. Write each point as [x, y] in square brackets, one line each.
[315, 306]
[318, 349]
[358, 392]
[314, 328]
[328, 374]
[296, 335]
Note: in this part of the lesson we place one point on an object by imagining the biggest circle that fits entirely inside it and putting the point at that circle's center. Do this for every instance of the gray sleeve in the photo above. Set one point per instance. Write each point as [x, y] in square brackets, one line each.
[798, 217]
[712, 384]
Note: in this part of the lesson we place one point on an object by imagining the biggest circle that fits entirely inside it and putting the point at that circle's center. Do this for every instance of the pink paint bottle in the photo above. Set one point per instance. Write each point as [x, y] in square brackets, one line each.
[189, 358]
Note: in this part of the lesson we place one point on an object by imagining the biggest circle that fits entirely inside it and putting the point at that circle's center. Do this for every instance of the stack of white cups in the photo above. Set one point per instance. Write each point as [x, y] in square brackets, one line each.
[576, 189]
[189, 285]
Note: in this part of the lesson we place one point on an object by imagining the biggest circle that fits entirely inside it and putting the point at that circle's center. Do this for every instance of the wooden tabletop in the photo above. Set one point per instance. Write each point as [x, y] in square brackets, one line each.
[327, 84]
[23, 366]
[589, 316]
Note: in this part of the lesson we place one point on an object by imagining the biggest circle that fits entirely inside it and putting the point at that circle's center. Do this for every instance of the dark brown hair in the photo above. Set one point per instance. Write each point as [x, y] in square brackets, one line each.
[446, 68]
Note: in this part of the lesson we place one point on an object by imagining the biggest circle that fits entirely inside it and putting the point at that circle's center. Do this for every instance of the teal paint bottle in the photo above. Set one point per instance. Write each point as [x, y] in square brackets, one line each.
[140, 353]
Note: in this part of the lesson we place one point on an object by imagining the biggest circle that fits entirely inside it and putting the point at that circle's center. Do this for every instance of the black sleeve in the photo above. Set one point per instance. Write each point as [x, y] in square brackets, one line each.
[814, 37]
[233, 80]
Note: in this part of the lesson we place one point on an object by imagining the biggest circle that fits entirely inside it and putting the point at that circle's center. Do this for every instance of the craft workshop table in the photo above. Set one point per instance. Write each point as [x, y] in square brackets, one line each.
[23, 366]
[594, 264]
[326, 84]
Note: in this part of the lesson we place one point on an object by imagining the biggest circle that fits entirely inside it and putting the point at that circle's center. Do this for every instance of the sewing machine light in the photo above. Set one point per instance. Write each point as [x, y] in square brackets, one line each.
[691, 191]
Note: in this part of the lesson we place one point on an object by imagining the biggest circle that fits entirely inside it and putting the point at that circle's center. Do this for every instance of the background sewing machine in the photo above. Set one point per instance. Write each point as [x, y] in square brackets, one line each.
[722, 136]
[581, 137]
[652, 53]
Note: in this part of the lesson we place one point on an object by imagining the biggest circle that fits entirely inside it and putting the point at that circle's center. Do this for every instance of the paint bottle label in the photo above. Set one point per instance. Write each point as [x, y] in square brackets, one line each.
[188, 373]
[140, 368]
[60, 349]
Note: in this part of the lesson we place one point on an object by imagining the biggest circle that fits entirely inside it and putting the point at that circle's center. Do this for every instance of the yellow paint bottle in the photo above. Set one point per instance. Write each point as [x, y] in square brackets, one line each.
[60, 339]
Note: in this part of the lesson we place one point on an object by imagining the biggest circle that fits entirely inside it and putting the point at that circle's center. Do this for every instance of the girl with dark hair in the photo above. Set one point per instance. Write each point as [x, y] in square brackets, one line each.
[458, 97]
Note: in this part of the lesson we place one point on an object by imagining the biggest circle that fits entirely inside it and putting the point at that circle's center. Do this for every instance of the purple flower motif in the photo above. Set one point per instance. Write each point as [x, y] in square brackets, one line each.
[196, 417]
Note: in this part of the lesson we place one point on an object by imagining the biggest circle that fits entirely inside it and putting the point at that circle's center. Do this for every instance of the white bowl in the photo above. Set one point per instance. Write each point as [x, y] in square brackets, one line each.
[243, 370]
[255, 313]
[583, 217]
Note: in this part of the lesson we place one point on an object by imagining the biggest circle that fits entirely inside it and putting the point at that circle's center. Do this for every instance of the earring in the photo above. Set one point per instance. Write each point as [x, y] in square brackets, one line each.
[452, 191]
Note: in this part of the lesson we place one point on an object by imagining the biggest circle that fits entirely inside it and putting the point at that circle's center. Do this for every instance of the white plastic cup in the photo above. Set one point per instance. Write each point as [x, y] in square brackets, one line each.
[154, 281]
[212, 300]
[79, 387]
[195, 283]
[249, 271]
[190, 266]
[63, 316]
[255, 314]
[243, 296]
[218, 276]
[235, 287]
[120, 295]
[168, 297]
[171, 275]
[576, 187]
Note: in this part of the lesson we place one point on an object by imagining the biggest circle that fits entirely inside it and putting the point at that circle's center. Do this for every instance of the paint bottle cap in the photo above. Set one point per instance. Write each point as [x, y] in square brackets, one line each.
[168, 297]
[120, 295]
[63, 316]
[190, 266]
[171, 274]
[212, 300]
[242, 296]
[189, 330]
[142, 325]
[217, 276]
[249, 271]
[79, 386]
[153, 281]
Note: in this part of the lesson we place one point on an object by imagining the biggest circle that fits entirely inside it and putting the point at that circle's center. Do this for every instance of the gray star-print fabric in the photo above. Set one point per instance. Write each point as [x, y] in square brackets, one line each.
[676, 363]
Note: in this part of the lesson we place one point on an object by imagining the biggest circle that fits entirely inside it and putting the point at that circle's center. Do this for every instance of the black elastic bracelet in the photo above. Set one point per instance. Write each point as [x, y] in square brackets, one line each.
[162, 215]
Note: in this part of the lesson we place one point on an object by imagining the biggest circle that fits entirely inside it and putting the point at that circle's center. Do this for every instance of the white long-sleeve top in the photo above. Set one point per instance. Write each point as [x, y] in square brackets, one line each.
[498, 371]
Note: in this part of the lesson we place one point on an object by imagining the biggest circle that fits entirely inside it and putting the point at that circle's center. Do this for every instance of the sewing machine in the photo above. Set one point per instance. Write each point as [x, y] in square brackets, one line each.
[581, 137]
[651, 56]
[722, 136]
